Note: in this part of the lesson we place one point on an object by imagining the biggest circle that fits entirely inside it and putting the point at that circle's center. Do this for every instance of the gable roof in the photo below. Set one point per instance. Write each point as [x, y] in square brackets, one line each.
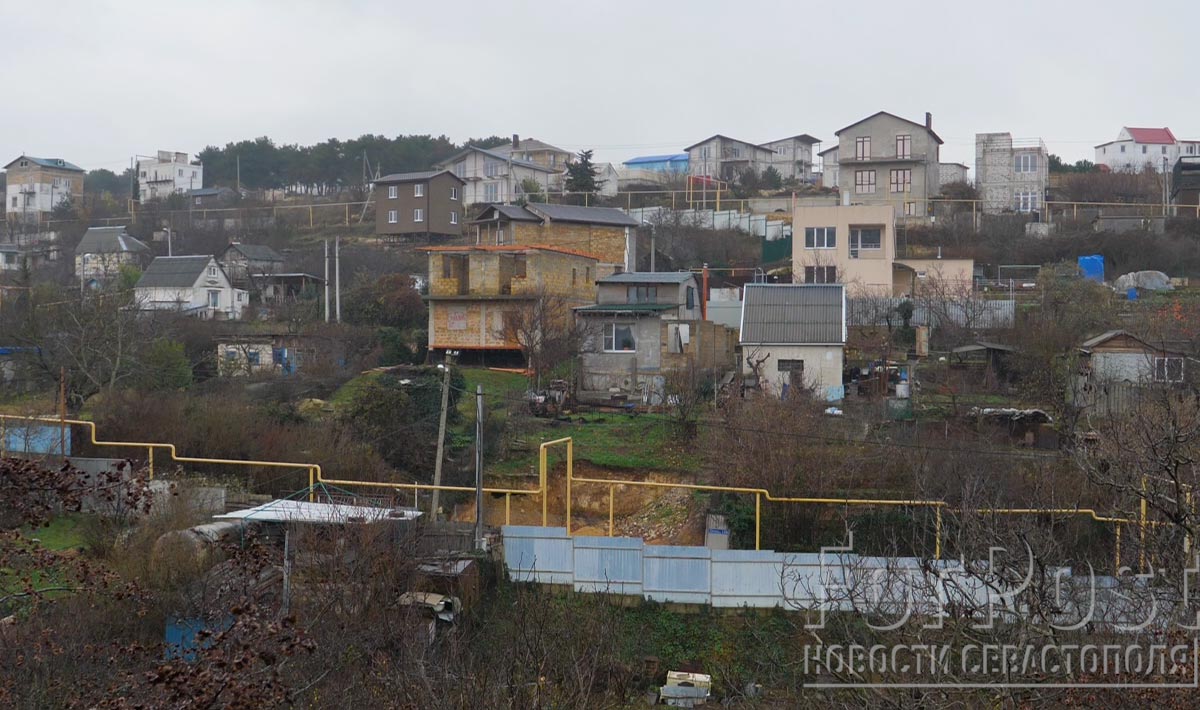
[505, 249]
[727, 138]
[827, 151]
[583, 215]
[174, 271]
[1091, 343]
[648, 277]
[936, 137]
[1151, 135]
[528, 145]
[414, 177]
[513, 213]
[794, 314]
[57, 163]
[493, 154]
[255, 252]
[802, 137]
[109, 240]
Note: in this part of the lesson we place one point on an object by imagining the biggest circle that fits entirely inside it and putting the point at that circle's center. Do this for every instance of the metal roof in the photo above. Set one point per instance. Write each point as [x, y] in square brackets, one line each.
[793, 314]
[299, 511]
[255, 252]
[1151, 135]
[413, 177]
[936, 137]
[58, 163]
[515, 213]
[583, 215]
[109, 240]
[648, 277]
[672, 158]
[174, 271]
[727, 138]
[498, 156]
[627, 307]
[210, 191]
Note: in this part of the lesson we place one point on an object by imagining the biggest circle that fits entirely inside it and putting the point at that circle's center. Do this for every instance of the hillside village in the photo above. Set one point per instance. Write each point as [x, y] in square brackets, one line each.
[517, 382]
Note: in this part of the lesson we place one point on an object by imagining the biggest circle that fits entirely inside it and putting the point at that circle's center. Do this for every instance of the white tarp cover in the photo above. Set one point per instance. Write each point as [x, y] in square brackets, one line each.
[300, 511]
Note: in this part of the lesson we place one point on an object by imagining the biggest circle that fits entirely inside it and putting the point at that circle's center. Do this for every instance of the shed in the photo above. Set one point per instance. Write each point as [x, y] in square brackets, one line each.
[793, 336]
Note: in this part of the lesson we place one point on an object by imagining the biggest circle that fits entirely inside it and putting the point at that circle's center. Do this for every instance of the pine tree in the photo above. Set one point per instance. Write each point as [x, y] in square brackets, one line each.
[582, 174]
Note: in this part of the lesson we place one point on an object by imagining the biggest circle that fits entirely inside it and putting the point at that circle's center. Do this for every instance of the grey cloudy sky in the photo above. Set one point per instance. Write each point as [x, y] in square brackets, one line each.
[96, 82]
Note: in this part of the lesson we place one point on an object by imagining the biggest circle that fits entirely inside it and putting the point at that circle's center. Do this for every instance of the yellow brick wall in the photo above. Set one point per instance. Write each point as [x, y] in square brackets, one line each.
[711, 346]
[605, 243]
[484, 325]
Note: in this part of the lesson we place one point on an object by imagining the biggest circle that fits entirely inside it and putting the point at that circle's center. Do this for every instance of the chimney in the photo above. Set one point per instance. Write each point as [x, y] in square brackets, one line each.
[928, 121]
[516, 141]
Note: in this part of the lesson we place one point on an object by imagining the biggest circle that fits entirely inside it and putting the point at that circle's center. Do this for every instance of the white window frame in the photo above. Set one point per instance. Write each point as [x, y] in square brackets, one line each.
[1165, 364]
[491, 192]
[1026, 163]
[419, 189]
[610, 338]
[856, 240]
[454, 193]
[212, 271]
[820, 237]
[453, 216]
[824, 272]
[214, 298]
[418, 214]
[393, 192]
[393, 216]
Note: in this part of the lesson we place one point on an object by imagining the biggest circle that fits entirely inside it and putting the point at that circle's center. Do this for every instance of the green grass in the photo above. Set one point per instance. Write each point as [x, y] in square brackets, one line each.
[346, 392]
[63, 533]
[500, 389]
[618, 441]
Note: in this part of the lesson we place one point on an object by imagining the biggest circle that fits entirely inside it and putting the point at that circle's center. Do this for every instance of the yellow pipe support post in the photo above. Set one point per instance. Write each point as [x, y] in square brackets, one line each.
[150, 461]
[612, 493]
[1142, 530]
[508, 509]
[1117, 552]
[758, 521]
[937, 532]
[542, 482]
[312, 484]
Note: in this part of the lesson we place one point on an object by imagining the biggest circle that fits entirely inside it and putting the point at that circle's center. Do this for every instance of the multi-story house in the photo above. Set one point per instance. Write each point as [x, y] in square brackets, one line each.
[193, 285]
[530, 150]
[644, 325]
[1011, 175]
[102, 252]
[475, 292]
[604, 232]
[829, 166]
[726, 158]
[168, 173]
[35, 186]
[887, 160]
[856, 246]
[420, 204]
[950, 173]
[1136, 149]
[496, 178]
[793, 157]
[248, 265]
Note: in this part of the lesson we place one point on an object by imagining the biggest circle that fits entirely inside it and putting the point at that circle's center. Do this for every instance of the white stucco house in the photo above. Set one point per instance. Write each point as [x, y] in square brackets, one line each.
[102, 252]
[168, 173]
[1136, 149]
[194, 285]
[794, 336]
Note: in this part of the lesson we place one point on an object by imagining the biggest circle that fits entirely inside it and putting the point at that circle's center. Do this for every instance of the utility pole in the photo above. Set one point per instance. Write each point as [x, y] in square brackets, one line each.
[441, 443]
[326, 280]
[238, 158]
[479, 467]
[337, 277]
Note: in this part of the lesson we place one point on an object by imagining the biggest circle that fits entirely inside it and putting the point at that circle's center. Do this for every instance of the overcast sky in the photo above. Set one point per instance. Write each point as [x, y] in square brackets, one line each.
[96, 82]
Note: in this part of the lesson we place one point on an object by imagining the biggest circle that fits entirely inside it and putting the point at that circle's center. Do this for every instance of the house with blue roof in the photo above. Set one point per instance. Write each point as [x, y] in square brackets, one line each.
[35, 186]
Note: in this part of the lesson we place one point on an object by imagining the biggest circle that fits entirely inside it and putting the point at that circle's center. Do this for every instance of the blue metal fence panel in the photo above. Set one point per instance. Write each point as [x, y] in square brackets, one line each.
[43, 439]
[677, 574]
[536, 554]
[747, 578]
[608, 564]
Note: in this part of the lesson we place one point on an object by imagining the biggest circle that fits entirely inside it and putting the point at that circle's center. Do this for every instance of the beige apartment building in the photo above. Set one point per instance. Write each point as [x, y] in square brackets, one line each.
[856, 246]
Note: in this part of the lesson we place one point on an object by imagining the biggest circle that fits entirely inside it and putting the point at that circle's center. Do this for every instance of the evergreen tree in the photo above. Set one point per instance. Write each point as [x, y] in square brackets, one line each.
[582, 174]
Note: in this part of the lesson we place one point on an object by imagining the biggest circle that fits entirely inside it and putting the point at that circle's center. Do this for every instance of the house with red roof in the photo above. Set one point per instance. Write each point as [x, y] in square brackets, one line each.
[1138, 148]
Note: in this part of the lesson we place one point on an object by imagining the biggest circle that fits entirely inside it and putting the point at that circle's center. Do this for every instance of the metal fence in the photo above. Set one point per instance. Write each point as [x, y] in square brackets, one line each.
[965, 312]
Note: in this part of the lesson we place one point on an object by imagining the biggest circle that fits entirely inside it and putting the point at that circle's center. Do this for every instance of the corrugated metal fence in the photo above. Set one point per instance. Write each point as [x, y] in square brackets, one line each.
[972, 313]
[734, 578]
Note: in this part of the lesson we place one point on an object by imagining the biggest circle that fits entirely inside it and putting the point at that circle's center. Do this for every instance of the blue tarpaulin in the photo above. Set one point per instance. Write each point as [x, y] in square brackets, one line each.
[1092, 267]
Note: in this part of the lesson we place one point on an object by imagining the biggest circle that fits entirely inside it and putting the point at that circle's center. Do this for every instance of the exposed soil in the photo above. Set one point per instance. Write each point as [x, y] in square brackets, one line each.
[659, 515]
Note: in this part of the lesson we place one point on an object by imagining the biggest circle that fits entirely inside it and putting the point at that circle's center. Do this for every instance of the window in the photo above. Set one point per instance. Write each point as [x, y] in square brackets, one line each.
[820, 274]
[574, 275]
[1025, 200]
[460, 168]
[1122, 149]
[1026, 163]
[25, 164]
[419, 190]
[231, 355]
[904, 146]
[641, 294]
[180, 173]
[453, 217]
[901, 180]
[252, 357]
[393, 216]
[447, 268]
[14, 202]
[820, 237]
[1104, 151]
[393, 191]
[618, 338]
[1143, 150]
[454, 193]
[214, 299]
[197, 200]
[691, 297]
[520, 266]
[735, 152]
[491, 168]
[865, 239]
[791, 366]
[910, 209]
[418, 214]
[862, 148]
[1168, 369]
[193, 173]
[864, 181]
[143, 172]
[1164, 150]
[491, 192]
[704, 152]
[212, 271]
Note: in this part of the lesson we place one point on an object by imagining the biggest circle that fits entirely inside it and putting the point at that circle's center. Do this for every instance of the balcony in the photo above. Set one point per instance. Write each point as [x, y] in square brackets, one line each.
[911, 158]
